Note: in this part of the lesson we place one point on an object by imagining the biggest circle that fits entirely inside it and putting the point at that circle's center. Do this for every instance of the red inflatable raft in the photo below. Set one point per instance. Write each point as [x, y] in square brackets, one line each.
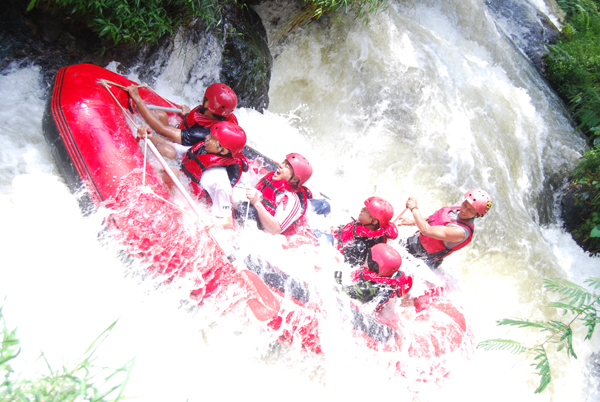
[88, 128]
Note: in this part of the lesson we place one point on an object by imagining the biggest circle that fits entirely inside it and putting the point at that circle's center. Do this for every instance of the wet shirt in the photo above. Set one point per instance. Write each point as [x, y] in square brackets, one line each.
[454, 215]
[289, 209]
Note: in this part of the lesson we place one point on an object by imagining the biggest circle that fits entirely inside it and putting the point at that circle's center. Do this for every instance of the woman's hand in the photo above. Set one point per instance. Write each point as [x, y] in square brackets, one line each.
[411, 203]
[253, 196]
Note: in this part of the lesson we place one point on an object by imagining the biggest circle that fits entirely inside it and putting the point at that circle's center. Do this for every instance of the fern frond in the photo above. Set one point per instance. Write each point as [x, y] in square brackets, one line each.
[573, 294]
[557, 325]
[502, 344]
[569, 338]
[566, 307]
[590, 320]
[520, 323]
[593, 282]
[543, 367]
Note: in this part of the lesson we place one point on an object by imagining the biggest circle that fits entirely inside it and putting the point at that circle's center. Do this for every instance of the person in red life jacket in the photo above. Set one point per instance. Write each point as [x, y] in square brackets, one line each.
[447, 230]
[214, 167]
[218, 105]
[280, 198]
[380, 279]
[373, 226]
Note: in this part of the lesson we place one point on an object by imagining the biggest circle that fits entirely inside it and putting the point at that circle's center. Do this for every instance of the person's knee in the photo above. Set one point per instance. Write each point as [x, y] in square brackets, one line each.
[162, 116]
[167, 150]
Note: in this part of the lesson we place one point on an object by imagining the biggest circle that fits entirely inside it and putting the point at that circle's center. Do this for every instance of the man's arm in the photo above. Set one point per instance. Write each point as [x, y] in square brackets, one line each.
[172, 133]
[452, 234]
[268, 221]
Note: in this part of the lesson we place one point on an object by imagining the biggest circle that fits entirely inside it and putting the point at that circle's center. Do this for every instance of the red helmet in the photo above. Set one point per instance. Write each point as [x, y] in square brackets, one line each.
[387, 258]
[221, 99]
[380, 209]
[480, 200]
[230, 136]
[302, 167]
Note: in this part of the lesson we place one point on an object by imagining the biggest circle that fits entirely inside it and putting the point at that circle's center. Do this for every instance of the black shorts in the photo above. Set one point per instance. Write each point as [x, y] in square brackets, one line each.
[193, 135]
[413, 245]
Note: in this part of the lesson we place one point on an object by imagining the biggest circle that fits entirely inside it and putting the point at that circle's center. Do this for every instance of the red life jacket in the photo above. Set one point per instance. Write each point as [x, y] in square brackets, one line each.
[356, 231]
[196, 118]
[271, 188]
[400, 285]
[196, 161]
[355, 240]
[436, 248]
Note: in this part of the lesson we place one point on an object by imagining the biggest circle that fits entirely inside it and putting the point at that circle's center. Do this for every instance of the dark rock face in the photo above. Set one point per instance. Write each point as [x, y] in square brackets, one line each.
[47, 39]
[53, 40]
[247, 61]
[571, 214]
[528, 28]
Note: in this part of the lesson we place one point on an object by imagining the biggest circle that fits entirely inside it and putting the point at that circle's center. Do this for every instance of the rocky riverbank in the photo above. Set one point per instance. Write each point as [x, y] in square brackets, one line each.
[53, 40]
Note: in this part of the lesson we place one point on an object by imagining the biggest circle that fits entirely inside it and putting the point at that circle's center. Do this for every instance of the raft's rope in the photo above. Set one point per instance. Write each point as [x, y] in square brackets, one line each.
[143, 86]
[178, 184]
[106, 85]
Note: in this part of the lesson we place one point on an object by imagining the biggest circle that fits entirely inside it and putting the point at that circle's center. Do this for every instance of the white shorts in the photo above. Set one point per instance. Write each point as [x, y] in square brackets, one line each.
[180, 149]
[216, 183]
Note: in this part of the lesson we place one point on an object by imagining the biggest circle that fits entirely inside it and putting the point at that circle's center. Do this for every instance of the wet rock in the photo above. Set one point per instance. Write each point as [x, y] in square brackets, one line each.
[53, 40]
[571, 213]
[529, 28]
[247, 60]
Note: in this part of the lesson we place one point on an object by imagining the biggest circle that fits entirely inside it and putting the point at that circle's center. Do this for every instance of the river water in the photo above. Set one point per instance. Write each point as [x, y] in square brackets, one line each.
[427, 100]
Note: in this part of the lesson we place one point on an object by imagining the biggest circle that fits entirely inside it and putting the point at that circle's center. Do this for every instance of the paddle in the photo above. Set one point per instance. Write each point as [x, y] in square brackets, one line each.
[400, 215]
[166, 109]
[264, 304]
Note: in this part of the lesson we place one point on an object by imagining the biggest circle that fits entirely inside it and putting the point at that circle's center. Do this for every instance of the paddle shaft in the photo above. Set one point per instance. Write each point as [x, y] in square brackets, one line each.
[400, 214]
[263, 309]
[166, 109]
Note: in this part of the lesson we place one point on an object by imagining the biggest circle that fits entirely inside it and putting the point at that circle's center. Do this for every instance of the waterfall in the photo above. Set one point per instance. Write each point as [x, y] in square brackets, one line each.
[430, 100]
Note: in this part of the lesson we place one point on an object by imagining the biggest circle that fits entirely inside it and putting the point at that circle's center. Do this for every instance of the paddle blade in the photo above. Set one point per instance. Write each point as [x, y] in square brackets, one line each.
[261, 301]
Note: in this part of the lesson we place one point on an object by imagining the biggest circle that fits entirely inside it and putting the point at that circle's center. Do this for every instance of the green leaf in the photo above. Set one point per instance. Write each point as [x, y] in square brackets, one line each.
[543, 367]
[31, 5]
[520, 323]
[566, 307]
[595, 231]
[502, 344]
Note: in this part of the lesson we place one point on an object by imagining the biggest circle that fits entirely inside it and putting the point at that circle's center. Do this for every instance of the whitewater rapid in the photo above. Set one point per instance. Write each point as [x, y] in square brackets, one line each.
[427, 100]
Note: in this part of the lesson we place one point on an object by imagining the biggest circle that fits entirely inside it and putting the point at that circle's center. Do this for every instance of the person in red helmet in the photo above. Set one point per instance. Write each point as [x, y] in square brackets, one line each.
[280, 198]
[373, 226]
[218, 105]
[379, 279]
[214, 166]
[447, 230]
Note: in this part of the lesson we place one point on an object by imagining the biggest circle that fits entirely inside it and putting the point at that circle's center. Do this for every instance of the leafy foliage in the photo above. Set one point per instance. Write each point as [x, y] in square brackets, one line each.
[76, 384]
[573, 63]
[137, 22]
[587, 176]
[575, 300]
[315, 9]
[573, 70]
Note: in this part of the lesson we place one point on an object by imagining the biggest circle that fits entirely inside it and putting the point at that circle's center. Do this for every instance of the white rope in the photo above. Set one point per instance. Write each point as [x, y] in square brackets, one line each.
[170, 173]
